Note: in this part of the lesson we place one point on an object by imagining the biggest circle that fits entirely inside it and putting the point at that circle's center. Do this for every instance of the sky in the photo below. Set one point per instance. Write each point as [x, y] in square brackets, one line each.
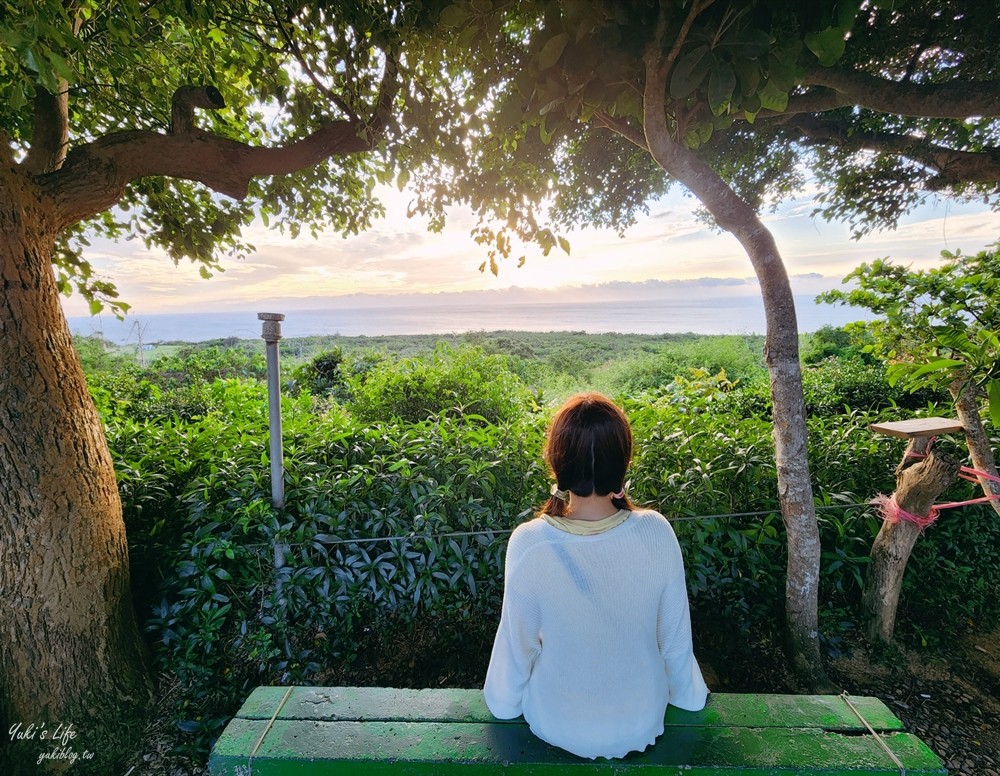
[398, 256]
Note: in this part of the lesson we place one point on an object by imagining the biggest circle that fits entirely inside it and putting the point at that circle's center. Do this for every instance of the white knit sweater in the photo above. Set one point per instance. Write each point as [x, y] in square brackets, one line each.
[595, 636]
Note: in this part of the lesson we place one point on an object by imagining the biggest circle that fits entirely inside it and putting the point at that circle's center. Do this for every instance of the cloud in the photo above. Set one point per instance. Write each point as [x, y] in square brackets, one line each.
[398, 256]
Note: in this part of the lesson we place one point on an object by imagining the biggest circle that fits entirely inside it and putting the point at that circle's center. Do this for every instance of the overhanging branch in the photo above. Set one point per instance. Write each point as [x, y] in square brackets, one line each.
[951, 167]
[95, 175]
[951, 100]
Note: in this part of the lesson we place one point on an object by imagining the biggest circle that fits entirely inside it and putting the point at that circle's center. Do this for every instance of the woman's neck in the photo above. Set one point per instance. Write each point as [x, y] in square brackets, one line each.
[592, 507]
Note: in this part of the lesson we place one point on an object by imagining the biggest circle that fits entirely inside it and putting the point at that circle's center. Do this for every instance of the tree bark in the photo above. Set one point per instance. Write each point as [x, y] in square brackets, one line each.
[967, 396]
[782, 355]
[919, 481]
[954, 99]
[71, 648]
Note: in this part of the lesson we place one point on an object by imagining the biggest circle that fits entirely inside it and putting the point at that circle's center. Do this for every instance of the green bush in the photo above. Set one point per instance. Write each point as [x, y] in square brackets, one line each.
[365, 571]
[323, 375]
[458, 382]
[832, 387]
[737, 357]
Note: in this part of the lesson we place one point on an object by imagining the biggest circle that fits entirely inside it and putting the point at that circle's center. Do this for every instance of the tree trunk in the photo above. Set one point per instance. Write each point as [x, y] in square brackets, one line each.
[782, 353]
[795, 495]
[967, 396]
[71, 649]
[918, 483]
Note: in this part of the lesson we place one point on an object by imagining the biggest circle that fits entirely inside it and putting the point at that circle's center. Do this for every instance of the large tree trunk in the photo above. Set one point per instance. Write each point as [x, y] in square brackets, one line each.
[71, 650]
[967, 396]
[919, 481]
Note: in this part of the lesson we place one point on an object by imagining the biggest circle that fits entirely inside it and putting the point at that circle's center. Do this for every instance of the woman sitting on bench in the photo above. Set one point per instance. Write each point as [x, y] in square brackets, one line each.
[595, 633]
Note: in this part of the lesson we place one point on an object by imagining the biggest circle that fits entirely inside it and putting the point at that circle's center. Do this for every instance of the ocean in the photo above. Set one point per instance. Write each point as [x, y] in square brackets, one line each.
[736, 315]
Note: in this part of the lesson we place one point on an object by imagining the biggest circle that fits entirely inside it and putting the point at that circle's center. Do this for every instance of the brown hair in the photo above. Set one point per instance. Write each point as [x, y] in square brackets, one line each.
[588, 449]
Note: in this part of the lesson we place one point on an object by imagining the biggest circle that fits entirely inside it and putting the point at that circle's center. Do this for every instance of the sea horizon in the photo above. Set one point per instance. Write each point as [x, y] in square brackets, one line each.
[732, 315]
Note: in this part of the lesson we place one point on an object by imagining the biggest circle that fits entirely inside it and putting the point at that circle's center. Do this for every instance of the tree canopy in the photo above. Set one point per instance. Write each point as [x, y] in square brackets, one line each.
[882, 103]
[99, 99]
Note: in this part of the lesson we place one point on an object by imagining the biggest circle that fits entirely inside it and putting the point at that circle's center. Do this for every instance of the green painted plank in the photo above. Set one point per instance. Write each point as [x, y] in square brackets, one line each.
[829, 712]
[373, 748]
[384, 704]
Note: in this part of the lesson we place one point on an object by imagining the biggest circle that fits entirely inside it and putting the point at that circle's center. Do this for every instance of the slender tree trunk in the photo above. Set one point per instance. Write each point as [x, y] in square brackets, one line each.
[795, 495]
[919, 481]
[790, 432]
[71, 651]
[967, 397]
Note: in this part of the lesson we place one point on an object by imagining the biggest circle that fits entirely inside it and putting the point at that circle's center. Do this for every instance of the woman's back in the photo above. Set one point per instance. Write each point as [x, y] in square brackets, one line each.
[595, 637]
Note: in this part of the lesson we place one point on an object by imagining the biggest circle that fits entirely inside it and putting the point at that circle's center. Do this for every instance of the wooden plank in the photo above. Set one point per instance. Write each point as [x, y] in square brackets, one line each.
[386, 704]
[375, 748]
[915, 427]
[828, 712]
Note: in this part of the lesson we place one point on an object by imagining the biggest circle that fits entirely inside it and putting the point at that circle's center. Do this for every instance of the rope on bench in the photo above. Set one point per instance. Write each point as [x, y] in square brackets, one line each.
[877, 737]
[267, 729]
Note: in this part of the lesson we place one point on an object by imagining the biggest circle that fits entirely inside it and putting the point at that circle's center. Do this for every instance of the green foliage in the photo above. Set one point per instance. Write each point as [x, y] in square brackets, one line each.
[462, 382]
[834, 386]
[737, 358]
[545, 128]
[371, 588]
[98, 355]
[225, 618]
[195, 364]
[833, 342]
[282, 69]
[940, 325]
[323, 375]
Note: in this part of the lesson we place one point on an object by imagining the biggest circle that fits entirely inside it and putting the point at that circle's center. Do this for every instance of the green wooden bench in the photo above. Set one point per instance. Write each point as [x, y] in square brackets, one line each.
[368, 731]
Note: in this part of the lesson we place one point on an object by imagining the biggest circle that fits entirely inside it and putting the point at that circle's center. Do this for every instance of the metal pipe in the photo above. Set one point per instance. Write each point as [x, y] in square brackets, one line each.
[271, 334]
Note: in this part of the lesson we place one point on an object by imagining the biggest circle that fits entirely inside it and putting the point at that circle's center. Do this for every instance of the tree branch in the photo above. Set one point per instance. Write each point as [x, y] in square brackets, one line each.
[675, 50]
[818, 100]
[50, 131]
[952, 167]
[620, 126]
[320, 87]
[95, 175]
[954, 100]
[185, 100]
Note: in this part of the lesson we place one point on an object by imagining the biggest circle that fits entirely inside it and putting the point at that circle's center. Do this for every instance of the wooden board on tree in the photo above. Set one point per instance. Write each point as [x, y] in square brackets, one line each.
[917, 427]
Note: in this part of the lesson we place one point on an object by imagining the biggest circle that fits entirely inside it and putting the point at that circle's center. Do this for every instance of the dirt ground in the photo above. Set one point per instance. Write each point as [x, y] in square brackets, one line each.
[951, 700]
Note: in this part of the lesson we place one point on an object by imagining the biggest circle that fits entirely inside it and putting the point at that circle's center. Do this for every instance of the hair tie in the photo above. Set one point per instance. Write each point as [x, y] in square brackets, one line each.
[620, 494]
[562, 495]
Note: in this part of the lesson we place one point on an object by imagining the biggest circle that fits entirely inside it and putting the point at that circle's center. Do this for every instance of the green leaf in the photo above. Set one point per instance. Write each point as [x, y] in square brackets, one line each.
[564, 244]
[828, 45]
[939, 365]
[993, 392]
[721, 83]
[552, 50]
[748, 73]
[773, 98]
[747, 43]
[688, 73]
[453, 16]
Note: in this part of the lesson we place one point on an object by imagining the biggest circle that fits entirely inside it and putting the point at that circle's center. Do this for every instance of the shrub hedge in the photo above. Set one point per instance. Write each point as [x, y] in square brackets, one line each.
[398, 504]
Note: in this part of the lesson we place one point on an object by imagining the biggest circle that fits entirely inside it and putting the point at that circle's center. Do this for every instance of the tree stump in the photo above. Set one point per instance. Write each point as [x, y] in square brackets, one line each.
[920, 478]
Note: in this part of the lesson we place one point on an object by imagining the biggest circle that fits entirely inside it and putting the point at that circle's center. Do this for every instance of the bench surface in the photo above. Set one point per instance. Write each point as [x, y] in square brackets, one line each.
[373, 730]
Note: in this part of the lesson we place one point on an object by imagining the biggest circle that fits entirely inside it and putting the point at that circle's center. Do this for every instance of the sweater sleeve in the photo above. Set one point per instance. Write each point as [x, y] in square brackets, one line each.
[516, 646]
[687, 687]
